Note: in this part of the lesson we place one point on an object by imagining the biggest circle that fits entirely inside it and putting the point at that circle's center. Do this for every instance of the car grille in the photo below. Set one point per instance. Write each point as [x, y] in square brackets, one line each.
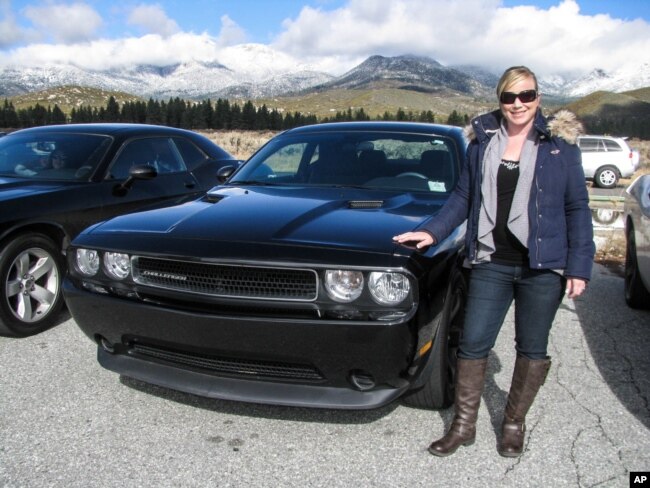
[229, 366]
[222, 280]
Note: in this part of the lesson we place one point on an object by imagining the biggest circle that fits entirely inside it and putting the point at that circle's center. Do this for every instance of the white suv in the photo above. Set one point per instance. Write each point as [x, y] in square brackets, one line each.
[606, 159]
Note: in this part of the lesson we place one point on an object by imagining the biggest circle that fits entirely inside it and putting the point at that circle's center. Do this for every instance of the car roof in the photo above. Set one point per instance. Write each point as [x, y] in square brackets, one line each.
[108, 129]
[591, 136]
[380, 126]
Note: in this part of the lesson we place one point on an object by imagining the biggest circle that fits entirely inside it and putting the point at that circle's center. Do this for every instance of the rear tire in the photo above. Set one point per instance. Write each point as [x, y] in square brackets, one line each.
[636, 294]
[438, 391]
[606, 177]
[31, 271]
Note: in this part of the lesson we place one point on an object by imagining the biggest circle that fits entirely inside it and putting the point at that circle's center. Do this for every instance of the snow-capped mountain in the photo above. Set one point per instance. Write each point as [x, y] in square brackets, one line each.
[408, 72]
[624, 79]
[251, 71]
[248, 71]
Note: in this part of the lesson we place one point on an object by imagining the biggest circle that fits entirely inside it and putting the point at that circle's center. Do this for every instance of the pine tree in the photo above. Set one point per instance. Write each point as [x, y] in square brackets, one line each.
[112, 113]
[248, 116]
[58, 117]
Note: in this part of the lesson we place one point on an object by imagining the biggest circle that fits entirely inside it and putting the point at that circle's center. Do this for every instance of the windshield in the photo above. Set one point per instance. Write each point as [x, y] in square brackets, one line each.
[51, 156]
[405, 162]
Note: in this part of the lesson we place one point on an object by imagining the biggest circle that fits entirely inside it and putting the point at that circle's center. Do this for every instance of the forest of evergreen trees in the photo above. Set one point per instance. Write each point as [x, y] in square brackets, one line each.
[630, 124]
[226, 115]
[219, 115]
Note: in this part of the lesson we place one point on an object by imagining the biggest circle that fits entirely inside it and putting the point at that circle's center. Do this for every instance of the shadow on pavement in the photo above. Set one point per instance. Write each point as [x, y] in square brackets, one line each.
[618, 338]
[63, 316]
[273, 412]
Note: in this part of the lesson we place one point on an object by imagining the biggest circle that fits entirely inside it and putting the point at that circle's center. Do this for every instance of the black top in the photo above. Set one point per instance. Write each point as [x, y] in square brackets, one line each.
[508, 248]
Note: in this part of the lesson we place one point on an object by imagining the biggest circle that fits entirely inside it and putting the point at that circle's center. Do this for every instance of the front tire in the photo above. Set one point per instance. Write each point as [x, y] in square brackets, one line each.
[636, 294]
[439, 388]
[31, 271]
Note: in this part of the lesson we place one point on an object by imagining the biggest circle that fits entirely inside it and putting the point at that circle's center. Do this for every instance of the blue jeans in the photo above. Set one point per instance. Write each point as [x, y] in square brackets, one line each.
[492, 288]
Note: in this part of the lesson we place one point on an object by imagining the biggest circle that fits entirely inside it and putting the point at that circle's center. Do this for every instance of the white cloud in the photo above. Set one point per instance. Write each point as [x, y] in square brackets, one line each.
[558, 39]
[10, 32]
[65, 23]
[160, 49]
[104, 54]
[152, 19]
[561, 40]
[230, 33]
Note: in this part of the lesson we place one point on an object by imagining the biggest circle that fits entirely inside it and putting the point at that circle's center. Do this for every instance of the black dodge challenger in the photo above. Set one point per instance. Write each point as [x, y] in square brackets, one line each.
[57, 180]
[282, 285]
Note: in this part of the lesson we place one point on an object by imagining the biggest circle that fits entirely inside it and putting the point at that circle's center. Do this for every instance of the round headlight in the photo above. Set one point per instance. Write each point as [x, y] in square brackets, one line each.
[388, 288]
[343, 285]
[87, 261]
[117, 265]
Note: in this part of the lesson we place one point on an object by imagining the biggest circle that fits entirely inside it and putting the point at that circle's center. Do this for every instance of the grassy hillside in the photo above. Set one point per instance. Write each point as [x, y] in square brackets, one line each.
[323, 104]
[67, 97]
[377, 101]
[593, 104]
[622, 114]
[603, 112]
[642, 94]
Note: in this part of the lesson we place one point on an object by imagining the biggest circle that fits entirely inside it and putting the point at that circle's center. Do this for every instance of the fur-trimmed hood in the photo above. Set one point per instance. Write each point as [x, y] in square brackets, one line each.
[563, 124]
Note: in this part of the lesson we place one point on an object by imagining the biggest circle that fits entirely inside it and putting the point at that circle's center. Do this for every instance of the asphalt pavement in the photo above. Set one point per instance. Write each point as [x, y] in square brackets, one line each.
[66, 422]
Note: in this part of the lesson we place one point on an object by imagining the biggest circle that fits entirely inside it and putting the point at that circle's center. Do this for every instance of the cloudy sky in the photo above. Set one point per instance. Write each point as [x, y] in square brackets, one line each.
[550, 36]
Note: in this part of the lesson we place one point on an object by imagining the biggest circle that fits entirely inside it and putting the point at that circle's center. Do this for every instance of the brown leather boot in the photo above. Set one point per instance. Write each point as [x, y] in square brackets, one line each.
[529, 375]
[470, 377]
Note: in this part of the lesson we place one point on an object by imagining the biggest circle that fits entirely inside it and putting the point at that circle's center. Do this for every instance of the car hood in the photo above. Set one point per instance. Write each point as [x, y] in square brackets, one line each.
[11, 188]
[352, 219]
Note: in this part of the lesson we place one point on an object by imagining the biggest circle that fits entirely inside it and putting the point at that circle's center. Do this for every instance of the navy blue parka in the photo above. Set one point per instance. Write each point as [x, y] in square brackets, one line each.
[561, 232]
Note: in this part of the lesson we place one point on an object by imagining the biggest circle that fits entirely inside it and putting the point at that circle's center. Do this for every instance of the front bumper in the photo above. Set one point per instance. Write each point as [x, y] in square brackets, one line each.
[298, 362]
[248, 390]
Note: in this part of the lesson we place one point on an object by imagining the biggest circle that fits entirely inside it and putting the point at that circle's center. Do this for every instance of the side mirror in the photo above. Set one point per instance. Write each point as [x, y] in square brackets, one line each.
[224, 173]
[139, 172]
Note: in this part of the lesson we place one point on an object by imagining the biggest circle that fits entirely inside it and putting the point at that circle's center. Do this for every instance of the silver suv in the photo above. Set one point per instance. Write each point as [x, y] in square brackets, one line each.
[606, 159]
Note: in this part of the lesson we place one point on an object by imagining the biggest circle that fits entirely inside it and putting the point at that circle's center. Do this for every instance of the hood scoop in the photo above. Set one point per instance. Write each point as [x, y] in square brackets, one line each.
[362, 204]
[213, 198]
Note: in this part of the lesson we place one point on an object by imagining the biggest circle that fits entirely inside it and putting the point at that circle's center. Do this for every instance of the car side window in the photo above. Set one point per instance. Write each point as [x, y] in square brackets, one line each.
[286, 161]
[134, 153]
[166, 158]
[52, 155]
[588, 145]
[190, 153]
[158, 152]
[611, 145]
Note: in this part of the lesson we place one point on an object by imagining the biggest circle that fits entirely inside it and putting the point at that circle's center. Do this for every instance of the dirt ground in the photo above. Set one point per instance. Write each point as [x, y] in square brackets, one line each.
[613, 258]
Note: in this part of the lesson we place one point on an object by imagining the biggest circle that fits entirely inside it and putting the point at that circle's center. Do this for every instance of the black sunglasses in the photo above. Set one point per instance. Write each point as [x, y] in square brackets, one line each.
[525, 96]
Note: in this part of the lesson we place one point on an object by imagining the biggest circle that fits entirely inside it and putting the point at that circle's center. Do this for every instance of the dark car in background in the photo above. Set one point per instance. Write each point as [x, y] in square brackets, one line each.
[283, 284]
[57, 180]
[637, 236]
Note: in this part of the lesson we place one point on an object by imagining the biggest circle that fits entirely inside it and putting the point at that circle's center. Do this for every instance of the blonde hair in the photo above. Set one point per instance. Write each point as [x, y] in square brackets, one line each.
[514, 75]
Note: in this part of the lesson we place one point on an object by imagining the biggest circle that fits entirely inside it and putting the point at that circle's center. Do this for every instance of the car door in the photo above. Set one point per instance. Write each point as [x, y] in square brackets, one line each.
[642, 190]
[593, 154]
[173, 184]
[203, 166]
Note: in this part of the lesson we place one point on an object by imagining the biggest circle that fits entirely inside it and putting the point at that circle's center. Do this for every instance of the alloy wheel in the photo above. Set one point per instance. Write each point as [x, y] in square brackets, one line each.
[32, 285]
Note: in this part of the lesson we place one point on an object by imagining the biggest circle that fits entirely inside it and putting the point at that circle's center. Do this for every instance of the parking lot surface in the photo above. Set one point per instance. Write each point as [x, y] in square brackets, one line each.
[66, 422]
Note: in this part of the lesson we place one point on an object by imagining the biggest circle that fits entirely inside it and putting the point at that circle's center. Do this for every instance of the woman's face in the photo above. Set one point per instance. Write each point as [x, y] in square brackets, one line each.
[58, 160]
[518, 114]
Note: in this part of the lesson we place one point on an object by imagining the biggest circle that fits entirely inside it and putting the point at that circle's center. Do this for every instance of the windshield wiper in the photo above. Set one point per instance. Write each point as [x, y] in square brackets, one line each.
[251, 183]
[341, 185]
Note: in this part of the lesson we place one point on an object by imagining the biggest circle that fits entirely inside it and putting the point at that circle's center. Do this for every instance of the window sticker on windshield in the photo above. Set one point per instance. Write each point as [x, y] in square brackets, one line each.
[437, 186]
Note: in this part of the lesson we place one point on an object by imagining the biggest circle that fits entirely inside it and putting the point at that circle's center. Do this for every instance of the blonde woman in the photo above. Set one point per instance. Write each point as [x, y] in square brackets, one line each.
[529, 240]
